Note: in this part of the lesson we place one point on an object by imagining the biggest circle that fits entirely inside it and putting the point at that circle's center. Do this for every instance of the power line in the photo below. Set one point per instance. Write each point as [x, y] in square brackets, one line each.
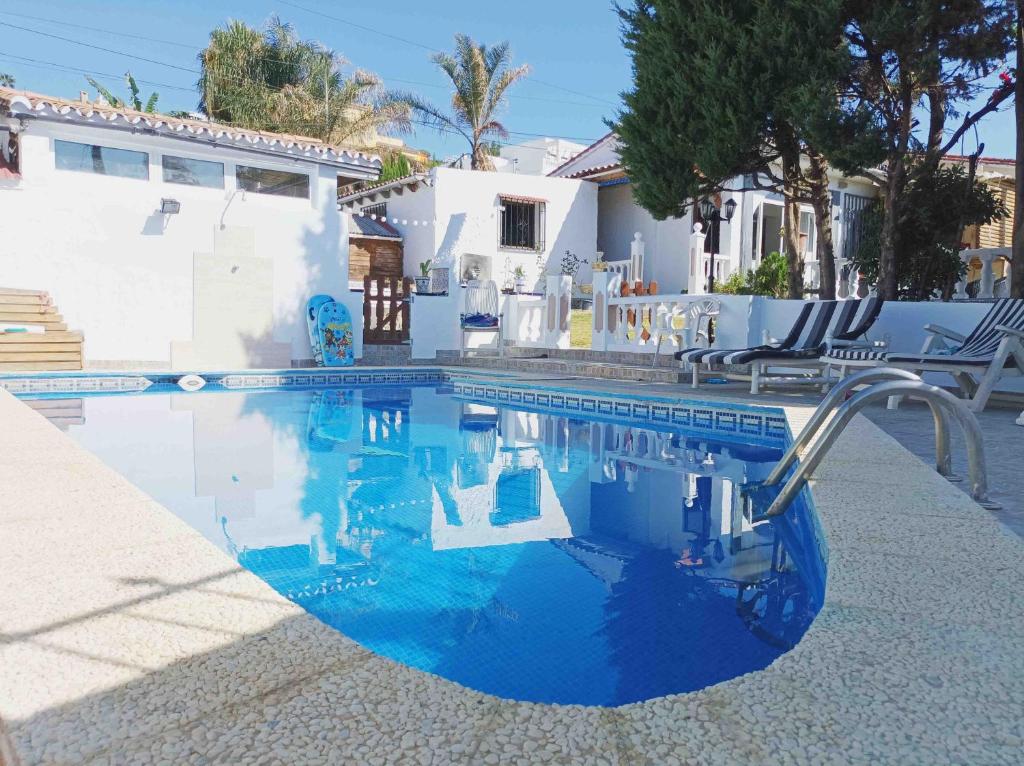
[99, 48]
[91, 72]
[430, 48]
[25, 61]
[98, 29]
[197, 49]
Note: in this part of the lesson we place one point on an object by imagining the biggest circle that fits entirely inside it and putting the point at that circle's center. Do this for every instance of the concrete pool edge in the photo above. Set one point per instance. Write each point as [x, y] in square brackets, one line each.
[166, 648]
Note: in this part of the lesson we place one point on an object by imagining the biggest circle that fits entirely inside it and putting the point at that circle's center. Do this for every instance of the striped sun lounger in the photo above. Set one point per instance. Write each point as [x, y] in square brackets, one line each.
[977, 361]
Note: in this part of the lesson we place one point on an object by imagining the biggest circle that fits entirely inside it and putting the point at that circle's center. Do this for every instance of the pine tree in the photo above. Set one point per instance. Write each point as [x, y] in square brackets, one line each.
[1017, 274]
[909, 53]
[723, 90]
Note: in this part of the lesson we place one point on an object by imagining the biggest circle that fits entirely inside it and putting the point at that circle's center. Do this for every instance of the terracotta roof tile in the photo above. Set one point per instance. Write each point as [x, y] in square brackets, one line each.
[21, 101]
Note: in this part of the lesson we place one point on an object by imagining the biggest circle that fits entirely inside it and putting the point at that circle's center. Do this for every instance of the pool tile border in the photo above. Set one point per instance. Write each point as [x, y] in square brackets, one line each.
[764, 425]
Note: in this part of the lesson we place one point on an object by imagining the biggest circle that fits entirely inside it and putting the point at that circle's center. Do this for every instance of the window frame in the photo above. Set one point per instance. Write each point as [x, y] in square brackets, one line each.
[57, 142]
[538, 224]
[166, 180]
[239, 168]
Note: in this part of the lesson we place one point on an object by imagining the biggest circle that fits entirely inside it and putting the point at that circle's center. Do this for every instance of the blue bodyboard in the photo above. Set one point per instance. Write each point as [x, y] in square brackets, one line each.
[334, 329]
[312, 307]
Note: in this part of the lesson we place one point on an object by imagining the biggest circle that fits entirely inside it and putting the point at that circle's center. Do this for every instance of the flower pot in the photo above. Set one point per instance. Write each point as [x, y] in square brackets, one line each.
[520, 284]
[422, 284]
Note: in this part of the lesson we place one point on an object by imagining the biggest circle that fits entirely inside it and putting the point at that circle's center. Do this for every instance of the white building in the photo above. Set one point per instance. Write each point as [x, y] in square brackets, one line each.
[492, 222]
[755, 230]
[172, 243]
[540, 156]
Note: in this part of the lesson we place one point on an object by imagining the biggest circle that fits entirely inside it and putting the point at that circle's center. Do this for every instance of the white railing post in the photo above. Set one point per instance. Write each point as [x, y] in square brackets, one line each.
[988, 276]
[960, 293]
[636, 257]
[698, 279]
[1003, 290]
[841, 285]
[601, 316]
[854, 283]
[557, 311]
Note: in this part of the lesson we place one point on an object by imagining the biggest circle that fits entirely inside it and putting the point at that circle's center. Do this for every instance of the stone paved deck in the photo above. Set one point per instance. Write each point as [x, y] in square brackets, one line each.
[125, 637]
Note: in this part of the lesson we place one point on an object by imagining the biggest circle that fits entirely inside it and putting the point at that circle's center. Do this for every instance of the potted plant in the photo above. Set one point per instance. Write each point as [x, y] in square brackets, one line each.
[520, 278]
[423, 281]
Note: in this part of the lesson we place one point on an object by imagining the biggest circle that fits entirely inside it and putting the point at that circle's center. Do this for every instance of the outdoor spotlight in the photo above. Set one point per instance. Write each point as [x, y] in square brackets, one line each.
[730, 210]
[170, 206]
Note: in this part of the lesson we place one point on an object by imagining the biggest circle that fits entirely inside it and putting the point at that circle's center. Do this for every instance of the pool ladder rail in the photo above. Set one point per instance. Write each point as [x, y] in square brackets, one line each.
[882, 383]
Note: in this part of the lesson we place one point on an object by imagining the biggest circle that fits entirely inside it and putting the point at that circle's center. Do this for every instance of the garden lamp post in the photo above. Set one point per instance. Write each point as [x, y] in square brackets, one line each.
[710, 213]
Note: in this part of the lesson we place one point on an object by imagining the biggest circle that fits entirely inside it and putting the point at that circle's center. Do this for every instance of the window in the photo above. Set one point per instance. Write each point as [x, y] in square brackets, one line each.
[279, 182]
[102, 160]
[182, 170]
[807, 232]
[522, 224]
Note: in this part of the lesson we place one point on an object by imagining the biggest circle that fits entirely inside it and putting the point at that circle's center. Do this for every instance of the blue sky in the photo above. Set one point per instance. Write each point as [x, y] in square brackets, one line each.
[579, 65]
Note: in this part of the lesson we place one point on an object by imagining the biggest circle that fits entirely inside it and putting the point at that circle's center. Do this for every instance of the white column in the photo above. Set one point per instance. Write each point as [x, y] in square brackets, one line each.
[988, 276]
[697, 282]
[600, 332]
[636, 257]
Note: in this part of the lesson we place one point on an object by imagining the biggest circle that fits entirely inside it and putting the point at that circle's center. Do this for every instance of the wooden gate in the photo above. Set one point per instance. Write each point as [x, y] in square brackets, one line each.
[386, 310]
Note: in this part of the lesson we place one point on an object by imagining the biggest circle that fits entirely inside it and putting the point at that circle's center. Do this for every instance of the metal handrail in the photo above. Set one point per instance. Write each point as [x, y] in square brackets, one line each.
[915, 390]
[943, 455]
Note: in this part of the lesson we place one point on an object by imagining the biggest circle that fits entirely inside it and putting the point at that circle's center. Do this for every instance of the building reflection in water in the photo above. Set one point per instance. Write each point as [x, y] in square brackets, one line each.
[437, 530]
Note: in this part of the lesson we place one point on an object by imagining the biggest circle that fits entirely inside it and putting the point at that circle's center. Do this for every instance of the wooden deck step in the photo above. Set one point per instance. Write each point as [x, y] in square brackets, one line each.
[29, 317]
[41, 356]
[19, 291]
[57, 336]
[38, 366]
[25, 300]
[26, 308]
[53, 349]
[35, 348]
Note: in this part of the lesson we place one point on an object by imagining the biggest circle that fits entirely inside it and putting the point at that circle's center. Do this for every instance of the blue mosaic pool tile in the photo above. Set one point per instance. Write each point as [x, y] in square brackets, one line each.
[727, 422]
[703, 418]
[752, 425]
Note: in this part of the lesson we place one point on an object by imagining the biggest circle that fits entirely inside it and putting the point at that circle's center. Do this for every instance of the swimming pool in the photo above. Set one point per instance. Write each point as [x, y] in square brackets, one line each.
[535, 555]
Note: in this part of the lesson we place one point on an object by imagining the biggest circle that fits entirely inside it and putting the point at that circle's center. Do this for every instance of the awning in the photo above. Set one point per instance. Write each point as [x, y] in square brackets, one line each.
[517, 198]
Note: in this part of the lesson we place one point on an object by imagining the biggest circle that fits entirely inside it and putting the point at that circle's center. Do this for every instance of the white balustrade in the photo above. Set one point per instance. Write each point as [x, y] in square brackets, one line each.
[636, 257]
[541, 322]
[636, 322]
[986, 284]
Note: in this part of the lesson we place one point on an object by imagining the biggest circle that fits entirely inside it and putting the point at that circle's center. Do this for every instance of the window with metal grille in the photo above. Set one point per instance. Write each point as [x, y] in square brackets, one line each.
[522, 225]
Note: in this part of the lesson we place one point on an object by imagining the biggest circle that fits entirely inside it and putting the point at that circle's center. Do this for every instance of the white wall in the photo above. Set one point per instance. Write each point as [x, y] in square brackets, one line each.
[666, 251]
[123, 274]
[539, 156]
[461, 209]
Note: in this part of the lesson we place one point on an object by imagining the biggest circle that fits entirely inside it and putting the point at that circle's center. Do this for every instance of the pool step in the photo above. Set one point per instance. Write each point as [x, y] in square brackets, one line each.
[55, 348]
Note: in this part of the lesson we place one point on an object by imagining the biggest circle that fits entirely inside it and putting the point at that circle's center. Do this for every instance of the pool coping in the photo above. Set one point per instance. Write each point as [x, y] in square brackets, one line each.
[160, 647]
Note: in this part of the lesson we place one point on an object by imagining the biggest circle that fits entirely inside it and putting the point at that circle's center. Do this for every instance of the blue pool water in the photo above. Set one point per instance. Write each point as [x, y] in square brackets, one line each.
[530, 555]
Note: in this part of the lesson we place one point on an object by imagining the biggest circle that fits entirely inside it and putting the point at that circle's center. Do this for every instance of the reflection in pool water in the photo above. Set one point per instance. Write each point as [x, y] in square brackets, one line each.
[532, 556]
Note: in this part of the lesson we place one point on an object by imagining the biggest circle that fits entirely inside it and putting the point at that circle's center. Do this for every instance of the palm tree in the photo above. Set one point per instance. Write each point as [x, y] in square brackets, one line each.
[480, 76]
[6, 80]
[134, 100]
[271, 80]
